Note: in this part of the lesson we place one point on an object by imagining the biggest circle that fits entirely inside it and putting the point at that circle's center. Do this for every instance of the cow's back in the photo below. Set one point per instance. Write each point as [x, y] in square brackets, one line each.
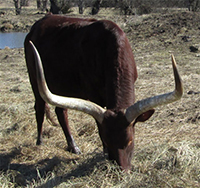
[84, 58]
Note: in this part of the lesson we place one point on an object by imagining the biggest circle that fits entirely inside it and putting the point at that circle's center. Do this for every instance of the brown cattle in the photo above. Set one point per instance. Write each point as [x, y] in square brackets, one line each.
[88, 65]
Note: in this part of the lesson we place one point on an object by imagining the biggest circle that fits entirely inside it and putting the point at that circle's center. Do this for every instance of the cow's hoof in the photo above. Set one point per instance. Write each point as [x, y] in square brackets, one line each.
[75, 150]
[39, 142]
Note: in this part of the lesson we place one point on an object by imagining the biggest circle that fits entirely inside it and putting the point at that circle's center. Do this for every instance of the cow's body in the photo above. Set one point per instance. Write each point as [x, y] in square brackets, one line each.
[89, 56]
[91, 60]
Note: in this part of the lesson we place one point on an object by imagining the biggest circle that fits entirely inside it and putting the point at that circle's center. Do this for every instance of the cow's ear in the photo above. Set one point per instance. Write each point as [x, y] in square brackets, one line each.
[145, 116]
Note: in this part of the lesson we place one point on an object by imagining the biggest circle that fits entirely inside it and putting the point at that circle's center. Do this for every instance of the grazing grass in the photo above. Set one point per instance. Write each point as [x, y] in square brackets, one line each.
[167, 147]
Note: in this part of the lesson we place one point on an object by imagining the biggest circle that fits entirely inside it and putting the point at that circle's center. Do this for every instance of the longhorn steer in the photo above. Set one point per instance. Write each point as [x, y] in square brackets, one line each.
[90, 60]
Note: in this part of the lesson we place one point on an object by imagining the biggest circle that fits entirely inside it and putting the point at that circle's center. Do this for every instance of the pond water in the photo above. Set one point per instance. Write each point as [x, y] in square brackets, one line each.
[12, 40]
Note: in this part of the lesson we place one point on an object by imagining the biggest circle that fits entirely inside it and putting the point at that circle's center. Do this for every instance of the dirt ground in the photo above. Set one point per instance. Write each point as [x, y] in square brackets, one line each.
[167, 149]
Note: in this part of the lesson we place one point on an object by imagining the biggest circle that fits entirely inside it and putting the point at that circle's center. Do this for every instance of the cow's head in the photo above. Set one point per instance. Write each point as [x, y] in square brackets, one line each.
[117, 135]
[116, 127]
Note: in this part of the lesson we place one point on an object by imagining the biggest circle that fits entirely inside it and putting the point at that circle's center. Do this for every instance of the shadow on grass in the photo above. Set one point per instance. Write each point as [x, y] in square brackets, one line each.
[29, 173]
[84, 169]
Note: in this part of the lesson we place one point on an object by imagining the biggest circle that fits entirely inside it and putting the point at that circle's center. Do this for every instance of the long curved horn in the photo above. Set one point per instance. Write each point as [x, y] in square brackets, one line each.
[144, 105]
[64, 102]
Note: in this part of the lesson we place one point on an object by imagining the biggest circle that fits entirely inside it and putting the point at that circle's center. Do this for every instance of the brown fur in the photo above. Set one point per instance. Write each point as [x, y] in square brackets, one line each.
[92, 60]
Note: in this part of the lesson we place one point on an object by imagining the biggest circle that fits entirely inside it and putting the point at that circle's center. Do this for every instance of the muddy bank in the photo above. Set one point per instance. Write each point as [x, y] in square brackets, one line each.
[153, 30]
[145, 26]
[17, 23]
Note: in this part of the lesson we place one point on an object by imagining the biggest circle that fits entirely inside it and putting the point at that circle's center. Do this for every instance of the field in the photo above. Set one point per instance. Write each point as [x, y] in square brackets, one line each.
[167, 149]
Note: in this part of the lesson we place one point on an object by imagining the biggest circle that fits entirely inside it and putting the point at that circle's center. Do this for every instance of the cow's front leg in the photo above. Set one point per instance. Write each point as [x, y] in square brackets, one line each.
[63, 120]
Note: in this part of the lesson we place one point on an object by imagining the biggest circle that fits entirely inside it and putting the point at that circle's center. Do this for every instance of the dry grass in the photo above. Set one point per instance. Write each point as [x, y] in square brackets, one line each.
[167, 149]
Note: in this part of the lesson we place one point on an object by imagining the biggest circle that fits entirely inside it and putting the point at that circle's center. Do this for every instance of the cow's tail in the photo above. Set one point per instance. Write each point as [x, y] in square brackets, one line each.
[49, 116]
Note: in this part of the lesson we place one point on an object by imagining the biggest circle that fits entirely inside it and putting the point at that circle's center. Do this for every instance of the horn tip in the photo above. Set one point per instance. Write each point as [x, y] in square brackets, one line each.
[173, 59]
[31, 43]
